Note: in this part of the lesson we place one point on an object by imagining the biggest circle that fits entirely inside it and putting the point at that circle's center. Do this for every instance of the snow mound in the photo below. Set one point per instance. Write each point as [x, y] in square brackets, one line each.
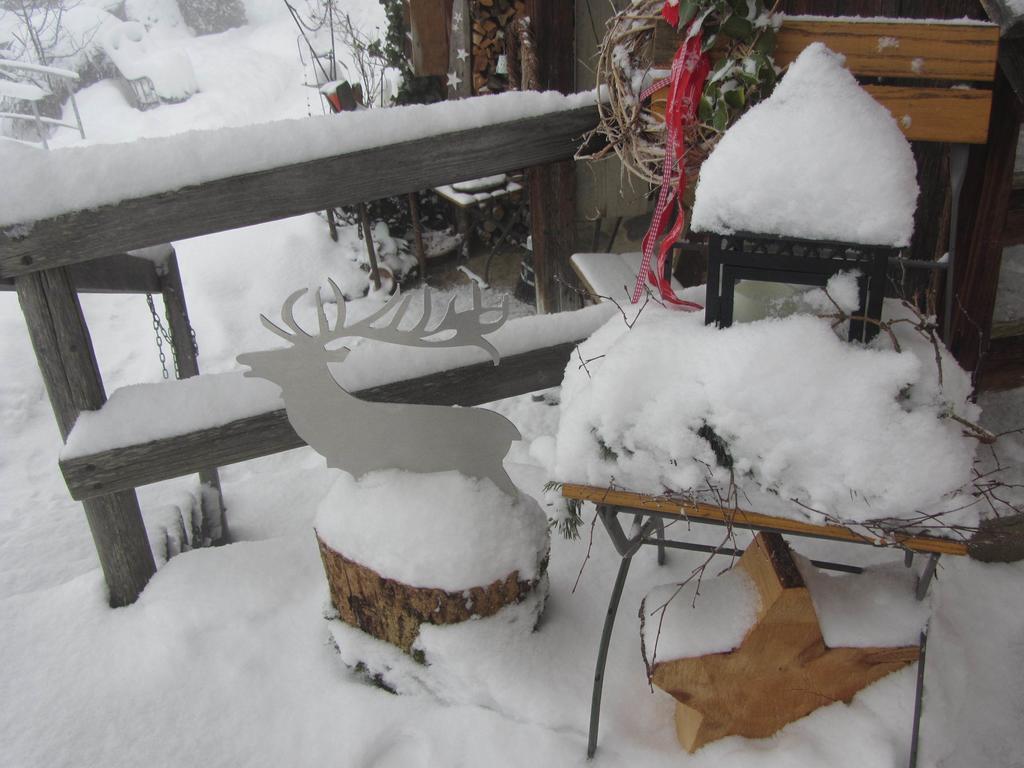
[441, 530]
[464, 661]
[807, 425]
[819, 159]
[873, 609]
[678, 624]
[170, 70]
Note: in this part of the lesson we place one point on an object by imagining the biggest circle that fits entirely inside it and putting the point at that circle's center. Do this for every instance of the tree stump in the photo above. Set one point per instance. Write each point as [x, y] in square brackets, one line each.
[780, 672]
[403, 549]
[393, 611]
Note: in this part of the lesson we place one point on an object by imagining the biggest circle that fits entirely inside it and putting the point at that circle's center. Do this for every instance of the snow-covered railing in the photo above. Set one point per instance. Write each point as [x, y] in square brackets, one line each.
[33, 94]
[151, 432]
[82, 203]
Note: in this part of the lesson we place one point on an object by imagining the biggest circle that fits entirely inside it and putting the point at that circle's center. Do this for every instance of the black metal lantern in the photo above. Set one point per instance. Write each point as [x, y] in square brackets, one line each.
[774, 259]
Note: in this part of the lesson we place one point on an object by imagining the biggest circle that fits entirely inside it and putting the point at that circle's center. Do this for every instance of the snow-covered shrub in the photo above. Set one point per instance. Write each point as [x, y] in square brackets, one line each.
[778, 416]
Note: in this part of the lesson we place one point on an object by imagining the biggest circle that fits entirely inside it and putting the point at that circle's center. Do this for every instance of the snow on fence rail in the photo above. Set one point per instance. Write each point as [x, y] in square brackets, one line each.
[83, 203]
[151, 432]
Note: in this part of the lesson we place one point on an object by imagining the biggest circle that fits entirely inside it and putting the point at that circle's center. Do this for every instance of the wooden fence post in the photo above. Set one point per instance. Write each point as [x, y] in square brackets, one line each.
[984, 202]
[553, 186]
[67, 363]
[212, 498]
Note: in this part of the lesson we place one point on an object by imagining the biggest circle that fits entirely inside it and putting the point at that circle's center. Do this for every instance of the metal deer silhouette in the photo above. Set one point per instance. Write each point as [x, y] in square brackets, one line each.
[360, 436]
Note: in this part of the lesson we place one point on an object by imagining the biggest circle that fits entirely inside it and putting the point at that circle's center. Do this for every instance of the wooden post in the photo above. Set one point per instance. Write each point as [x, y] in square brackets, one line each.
[364, 221]
[67, 363]
[459, 77]
[417, 231]
[553, 186]
[983, 205]
[553, 229]
[185, 354]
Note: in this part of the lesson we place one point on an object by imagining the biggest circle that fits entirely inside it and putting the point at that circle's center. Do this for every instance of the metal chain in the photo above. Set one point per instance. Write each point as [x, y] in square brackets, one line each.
[161, 336]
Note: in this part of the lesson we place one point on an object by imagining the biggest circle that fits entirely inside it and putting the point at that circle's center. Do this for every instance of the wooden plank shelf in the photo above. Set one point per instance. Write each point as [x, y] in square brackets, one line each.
[902, 50]
[740, 518]
[268, 433]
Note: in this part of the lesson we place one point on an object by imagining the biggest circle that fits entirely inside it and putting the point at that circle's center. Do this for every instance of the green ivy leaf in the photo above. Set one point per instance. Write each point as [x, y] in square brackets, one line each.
[736, 27]
[721, 117]
[740, 7]
[687, 10]
[766, 42]
[705, 110]
[735, 98]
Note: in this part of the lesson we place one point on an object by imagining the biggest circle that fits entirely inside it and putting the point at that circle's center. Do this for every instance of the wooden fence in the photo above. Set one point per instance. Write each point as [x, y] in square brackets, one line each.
[38, 259]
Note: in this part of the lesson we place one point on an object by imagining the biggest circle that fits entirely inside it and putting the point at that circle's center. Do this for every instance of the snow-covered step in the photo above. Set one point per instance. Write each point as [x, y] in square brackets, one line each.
[150, 432]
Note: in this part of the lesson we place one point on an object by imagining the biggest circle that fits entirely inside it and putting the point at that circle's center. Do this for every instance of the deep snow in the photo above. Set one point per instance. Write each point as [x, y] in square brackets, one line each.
[227, 660]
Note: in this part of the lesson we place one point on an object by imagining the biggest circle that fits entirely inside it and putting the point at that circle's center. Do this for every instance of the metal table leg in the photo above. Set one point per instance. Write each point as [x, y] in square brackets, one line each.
[918, 702]
[602, 652]
[922, 589]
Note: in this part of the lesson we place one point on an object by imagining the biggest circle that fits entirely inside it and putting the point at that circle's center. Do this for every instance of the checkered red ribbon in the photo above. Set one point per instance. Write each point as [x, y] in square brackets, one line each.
[690, 68]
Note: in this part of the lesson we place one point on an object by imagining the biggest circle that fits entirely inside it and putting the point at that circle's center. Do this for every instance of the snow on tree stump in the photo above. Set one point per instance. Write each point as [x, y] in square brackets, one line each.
[776, 666]
[402, 549]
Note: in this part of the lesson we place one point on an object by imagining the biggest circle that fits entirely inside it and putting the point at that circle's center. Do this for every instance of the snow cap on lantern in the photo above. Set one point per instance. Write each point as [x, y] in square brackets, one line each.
[820, 159]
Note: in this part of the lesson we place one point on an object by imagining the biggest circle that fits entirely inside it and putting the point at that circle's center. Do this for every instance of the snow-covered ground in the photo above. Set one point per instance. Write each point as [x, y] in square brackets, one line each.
[226, 658]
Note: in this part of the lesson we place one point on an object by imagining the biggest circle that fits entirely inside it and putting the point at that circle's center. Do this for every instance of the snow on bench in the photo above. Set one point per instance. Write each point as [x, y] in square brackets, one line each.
[611, 276]
[150, 432]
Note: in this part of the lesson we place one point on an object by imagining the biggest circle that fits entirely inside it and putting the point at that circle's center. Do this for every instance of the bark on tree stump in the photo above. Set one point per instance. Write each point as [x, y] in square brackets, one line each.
[393, 611]
[780, 672]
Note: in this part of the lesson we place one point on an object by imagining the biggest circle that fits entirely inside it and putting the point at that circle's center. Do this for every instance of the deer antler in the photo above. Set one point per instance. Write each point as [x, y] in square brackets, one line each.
[466, 327]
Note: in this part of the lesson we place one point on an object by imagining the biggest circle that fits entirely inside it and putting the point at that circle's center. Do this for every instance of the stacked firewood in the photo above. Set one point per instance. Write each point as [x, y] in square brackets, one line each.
[492, 24]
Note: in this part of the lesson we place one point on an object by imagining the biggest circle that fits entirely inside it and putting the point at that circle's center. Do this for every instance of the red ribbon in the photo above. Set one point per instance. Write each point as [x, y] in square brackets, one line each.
[690, 68]
[671, 13]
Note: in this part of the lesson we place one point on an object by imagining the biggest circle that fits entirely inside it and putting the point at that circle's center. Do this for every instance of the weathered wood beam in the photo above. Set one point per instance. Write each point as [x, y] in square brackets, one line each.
[983, 206]
[67, 363]
[553, 224]
[253, 198]
[121, 273]
[271, 433]
[1013, 232]
[553, 186]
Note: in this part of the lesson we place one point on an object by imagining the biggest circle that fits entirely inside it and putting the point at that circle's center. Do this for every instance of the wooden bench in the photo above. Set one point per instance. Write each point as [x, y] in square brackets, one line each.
[935, 77]
[469, 198]
[650, 515]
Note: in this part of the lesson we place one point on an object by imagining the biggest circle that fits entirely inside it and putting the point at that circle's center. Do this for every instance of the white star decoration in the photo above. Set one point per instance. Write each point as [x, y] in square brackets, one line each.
[462, 55]
[457, 21]
[453, 80]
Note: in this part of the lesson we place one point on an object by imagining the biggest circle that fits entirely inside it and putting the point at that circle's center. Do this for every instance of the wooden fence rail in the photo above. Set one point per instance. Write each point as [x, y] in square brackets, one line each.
[290, 190]
[268, 433]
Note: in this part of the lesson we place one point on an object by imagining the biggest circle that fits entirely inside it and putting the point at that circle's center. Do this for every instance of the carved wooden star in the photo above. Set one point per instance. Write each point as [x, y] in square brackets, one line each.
[462, 54]
[457, 21]
[454, 80]
[780, 672]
